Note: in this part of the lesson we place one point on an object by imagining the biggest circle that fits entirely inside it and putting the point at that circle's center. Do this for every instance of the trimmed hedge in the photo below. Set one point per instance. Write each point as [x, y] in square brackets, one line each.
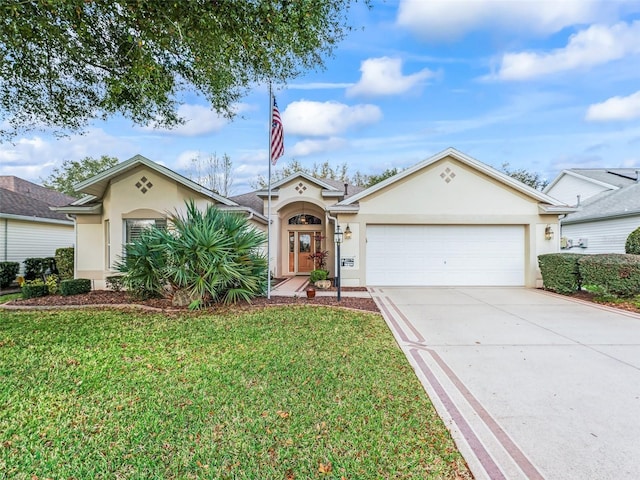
[64, 262]
[38, 268]
[618, 274]
[632, 245]
[34, 290]
[560, 272]
[75, 287]
[8, 272]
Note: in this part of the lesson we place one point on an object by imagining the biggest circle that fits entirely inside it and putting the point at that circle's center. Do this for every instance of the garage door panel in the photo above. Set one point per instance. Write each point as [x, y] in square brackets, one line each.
[434, 255]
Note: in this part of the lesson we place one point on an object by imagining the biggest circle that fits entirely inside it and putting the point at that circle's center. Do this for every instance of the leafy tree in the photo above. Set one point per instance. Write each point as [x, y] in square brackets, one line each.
[324, 170]
[213, 172]
[214, 255]
[63, 178]
[532, 179]
[65, 62]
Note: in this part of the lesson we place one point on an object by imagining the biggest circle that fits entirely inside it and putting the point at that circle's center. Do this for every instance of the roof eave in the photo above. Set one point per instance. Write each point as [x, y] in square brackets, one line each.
[26, 218]
[600, 218]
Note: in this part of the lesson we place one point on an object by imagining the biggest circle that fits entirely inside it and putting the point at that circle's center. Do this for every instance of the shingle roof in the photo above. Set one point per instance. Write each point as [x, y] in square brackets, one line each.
[611, 203]
[620, 177]
[253, 201]
[32, 190]
[13, 203]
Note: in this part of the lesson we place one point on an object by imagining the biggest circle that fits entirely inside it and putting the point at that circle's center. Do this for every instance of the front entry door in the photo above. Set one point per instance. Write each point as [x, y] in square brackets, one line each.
[301, 246]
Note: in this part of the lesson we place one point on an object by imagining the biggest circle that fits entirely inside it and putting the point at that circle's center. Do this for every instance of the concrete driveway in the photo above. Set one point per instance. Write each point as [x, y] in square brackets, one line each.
[531, 384]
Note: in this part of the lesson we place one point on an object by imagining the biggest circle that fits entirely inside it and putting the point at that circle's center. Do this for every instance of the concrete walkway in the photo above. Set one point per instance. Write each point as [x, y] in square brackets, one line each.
[531, 384]
[296, 286]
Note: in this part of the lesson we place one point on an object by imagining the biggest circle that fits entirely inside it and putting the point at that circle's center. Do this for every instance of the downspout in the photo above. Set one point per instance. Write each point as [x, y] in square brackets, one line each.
[6, 239]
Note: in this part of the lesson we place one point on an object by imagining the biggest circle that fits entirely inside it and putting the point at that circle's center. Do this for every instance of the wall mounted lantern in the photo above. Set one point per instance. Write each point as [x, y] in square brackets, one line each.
[347, 233]
[548, 233]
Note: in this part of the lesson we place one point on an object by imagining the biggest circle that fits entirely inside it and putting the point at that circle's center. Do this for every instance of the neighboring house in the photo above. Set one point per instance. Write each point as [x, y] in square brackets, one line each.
[608, 208]
[28, 226]
[449, 220]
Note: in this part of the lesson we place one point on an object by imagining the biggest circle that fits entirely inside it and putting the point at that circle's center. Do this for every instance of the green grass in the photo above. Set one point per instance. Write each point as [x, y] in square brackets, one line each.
[273, 394]
[9, 296]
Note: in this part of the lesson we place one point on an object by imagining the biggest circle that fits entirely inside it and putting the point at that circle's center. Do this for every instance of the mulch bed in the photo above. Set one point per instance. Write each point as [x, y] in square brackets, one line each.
[628, 305]
[107, 297]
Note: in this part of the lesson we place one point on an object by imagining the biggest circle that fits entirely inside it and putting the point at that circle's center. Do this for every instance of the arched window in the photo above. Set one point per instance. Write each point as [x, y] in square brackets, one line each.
[305, 219]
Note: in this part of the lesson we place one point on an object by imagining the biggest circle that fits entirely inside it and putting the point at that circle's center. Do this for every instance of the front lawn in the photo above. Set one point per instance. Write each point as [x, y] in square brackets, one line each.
[279, 393]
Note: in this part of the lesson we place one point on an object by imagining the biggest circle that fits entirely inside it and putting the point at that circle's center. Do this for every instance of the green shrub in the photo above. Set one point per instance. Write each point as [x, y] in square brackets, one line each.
[34, 288]
[560, 272]
[316, 275]
[8, 272]
[75, 287]
[214, 255]
[618, 274]
[52, 281]
[64, 262]
[33, 268]
[632, 245]
[114, 282]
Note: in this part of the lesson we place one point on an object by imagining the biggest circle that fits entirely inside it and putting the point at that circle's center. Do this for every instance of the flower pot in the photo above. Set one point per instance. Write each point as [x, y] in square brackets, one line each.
[323, 284]
[311, 292]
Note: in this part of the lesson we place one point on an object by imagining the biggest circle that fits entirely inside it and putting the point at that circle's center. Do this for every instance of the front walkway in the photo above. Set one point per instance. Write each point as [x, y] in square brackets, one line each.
[296, 286]
[532, 385]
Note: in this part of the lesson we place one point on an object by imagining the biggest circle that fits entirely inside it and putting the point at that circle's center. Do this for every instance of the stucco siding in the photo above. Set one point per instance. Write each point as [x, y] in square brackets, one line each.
[606, 236]
[569, 187]
[448, 189]
[22, 239]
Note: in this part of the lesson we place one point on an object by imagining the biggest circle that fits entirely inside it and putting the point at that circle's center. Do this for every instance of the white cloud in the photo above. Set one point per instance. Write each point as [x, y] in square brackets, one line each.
[450, 19]
[615, 108]
[199, 120]
[309, 147]
[33, 158]
[305, 117]
[184, 160]
[383, 76]
[596, 45]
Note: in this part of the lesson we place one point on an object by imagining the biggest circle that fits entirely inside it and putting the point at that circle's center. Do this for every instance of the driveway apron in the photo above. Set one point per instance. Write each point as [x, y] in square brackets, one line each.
[531, 384]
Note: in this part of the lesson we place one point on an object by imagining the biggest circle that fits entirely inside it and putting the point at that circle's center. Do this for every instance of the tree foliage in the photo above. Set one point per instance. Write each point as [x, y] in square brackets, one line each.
[71, 172]
[324, 170]
[65, 62]
[533, 179]
[213, 172]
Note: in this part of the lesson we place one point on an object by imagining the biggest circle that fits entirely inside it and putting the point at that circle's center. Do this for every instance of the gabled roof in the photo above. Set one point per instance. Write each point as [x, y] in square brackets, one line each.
[98, 184]
[620, 202]
[610, 178]
[23, 207]
[471, 162]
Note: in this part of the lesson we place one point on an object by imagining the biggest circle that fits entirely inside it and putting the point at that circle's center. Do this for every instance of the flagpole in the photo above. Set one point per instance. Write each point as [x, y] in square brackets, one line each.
[269, 196]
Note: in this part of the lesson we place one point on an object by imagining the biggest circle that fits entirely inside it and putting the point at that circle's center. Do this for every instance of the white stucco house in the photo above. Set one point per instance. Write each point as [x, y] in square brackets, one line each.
[607, 205]
[28, 226]
[449, 220]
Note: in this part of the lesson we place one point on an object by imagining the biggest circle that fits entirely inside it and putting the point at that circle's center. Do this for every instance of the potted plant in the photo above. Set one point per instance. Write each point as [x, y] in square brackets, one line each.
[319, 278]
[319, 275]
[311, 291]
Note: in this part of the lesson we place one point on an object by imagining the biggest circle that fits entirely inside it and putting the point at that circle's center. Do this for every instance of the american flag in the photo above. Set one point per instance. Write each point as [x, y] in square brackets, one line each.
[277, 134]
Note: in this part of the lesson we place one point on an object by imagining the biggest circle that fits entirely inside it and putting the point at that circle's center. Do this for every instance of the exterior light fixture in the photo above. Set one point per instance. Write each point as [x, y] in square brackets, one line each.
[347, 233]
[337, 238]
[548, 233]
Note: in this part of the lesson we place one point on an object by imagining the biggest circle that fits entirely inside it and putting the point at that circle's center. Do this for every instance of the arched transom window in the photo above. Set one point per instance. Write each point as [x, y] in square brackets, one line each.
[305, 219]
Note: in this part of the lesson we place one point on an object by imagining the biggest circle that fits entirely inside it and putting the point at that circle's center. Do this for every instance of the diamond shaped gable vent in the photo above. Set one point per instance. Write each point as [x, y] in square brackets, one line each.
[144, 185]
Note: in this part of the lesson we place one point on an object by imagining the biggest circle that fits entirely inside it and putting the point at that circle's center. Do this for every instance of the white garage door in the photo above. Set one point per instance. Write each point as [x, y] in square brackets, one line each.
[434, 255]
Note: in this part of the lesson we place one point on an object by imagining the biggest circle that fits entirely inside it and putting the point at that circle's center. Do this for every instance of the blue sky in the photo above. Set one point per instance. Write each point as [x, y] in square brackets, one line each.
[541, 85]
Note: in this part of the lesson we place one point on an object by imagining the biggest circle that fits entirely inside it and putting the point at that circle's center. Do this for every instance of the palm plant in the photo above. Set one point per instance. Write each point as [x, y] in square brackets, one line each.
[143, 265]
[213, 254]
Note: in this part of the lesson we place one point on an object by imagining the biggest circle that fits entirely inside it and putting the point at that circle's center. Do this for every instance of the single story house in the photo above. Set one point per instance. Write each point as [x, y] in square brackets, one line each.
[28, 226]
[607, 205]
[449, 220]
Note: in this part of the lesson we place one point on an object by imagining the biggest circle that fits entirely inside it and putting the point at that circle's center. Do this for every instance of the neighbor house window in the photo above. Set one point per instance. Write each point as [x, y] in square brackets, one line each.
[134, 227]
